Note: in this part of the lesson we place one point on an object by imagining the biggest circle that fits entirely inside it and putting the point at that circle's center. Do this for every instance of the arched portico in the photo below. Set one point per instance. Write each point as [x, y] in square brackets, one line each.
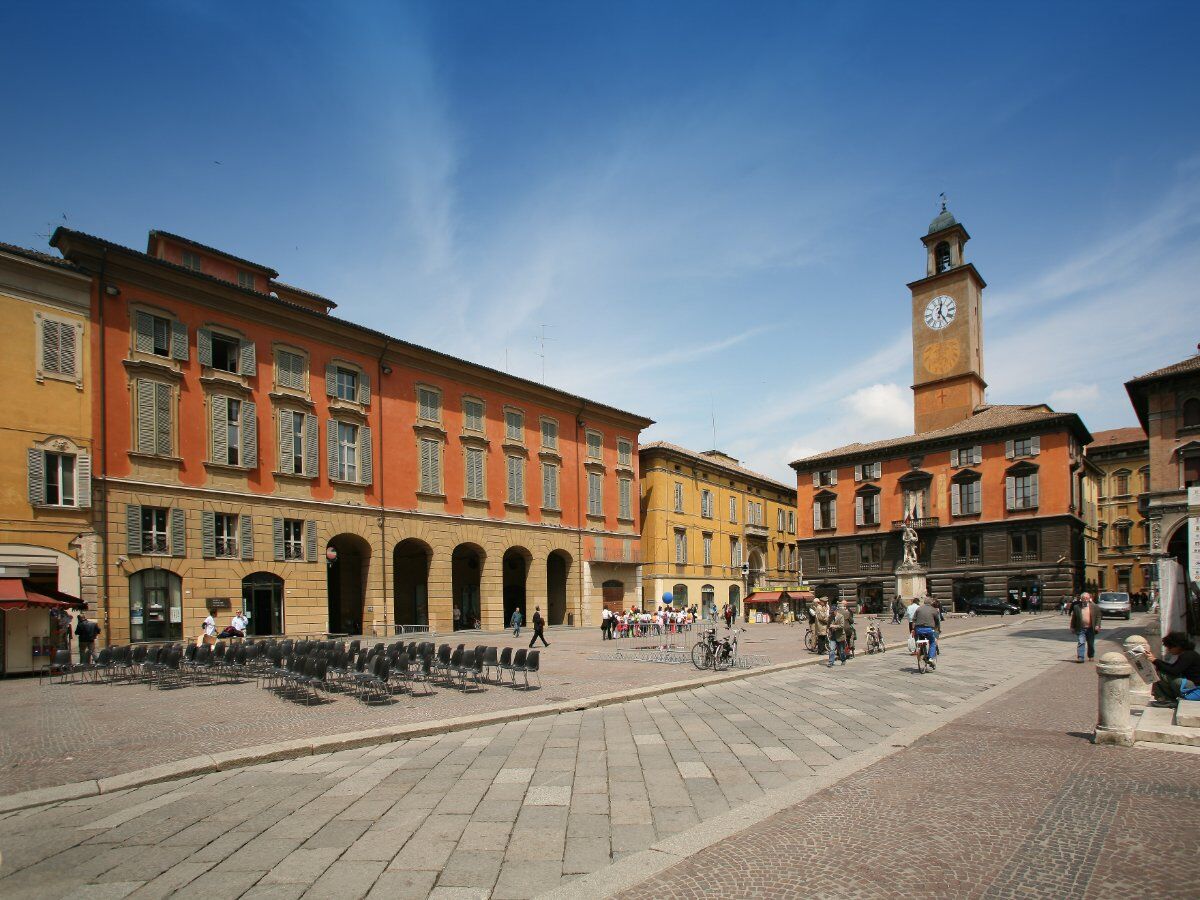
[515, 566]
[466, 565]
[345, 582]
[558, 567]
[410, 582]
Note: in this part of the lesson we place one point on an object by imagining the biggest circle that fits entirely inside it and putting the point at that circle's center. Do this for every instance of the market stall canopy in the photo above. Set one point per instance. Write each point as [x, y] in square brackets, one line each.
[776, 596]
[16, 594]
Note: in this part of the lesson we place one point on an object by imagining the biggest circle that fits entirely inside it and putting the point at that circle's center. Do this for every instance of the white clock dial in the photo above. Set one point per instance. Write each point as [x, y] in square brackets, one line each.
[939, 312]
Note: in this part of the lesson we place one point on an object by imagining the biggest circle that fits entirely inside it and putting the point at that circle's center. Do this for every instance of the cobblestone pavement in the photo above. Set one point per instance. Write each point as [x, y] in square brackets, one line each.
[504, 811]
[1010, 800]
[55, 734]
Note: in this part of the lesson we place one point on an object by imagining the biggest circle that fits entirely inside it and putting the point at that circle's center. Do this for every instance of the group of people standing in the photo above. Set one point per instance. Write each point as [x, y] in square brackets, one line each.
[633, 622]
[833, 628]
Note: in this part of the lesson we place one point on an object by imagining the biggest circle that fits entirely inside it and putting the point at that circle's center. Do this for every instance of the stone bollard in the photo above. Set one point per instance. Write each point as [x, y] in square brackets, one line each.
[1113, 725]
[1139, 690]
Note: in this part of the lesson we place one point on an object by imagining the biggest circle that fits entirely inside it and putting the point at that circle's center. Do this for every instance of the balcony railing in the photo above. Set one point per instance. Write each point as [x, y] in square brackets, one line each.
[927, 522]
[756, 531]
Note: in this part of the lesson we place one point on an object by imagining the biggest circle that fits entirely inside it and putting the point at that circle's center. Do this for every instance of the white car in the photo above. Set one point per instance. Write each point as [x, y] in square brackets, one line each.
[1114, 603]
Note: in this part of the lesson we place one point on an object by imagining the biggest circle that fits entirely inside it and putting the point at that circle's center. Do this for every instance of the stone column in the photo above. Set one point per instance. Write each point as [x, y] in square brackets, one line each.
[1113, 724]
[1139, 690]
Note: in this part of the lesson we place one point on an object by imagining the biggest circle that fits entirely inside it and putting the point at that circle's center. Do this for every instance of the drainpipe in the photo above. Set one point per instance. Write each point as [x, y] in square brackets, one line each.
[102, 514]
[382, 456]
[581, 518]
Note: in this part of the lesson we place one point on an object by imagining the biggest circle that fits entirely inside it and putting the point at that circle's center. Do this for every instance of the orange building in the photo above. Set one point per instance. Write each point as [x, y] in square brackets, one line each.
[255, 451]
[995, 492]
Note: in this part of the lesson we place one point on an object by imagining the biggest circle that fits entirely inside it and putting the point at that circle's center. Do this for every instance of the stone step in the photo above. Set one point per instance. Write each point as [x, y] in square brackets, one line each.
[1155, 725]
[1187, 714]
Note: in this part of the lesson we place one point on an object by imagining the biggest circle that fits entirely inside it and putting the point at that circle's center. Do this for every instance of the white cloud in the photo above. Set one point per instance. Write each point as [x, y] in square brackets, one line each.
[887, 406]
[1070, 398]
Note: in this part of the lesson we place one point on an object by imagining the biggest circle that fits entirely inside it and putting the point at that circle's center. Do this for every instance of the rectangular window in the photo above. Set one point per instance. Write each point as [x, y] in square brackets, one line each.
[1023, 491]
[1023, 447]
[473, 415]
[680, 547]
[779, 520]
[966, 456]
[346, 384]
[154, 401]
[706, 504]
[516, 480]
[870, 555]
[825, 478]
[245, 279]
[733, 508]
[624, 453]
[474, 473]
[60, 479]
[431, 465]
[595, 494]
[791, 521]
[58, 348]
[868, 508]
[347, 451]
[549, 485]
[916, 502]
[225, 351]
[594, 441]
[154, 530]
[226, 530]
[825, 514]
[625, 498]
[1024, 545]
[1121, 484]
[678, 497]
[708, 549]
[233, 431]
[549, 434]
[827, 558]
[299, 441]
[154, 334]
[735, 552]
[191, 261]
[429, 405]
[966, 548]
[291, 369]
[514, 425]
[966, 497]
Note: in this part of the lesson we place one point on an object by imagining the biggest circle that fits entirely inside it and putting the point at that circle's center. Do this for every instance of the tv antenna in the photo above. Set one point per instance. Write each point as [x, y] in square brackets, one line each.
[541, 339]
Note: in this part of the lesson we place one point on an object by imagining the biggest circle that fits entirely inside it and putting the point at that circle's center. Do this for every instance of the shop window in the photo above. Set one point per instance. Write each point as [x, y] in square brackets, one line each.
[155, 606]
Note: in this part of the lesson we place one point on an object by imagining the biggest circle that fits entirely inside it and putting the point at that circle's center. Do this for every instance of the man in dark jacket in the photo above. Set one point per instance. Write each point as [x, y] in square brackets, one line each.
[86, 632]
[1085, 622]
[1172, 675]
[538, 624]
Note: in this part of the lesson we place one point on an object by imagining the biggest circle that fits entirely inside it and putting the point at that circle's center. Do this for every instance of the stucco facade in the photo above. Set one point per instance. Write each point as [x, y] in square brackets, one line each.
[1122, 459]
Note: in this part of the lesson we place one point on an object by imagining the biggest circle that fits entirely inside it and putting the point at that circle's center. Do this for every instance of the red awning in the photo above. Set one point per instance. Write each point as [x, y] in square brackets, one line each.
[15, 594]
[766, 597]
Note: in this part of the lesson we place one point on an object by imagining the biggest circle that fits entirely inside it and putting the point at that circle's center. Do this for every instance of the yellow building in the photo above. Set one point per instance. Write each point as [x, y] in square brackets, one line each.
[1122, 457]
[46, 536]
[712, 530]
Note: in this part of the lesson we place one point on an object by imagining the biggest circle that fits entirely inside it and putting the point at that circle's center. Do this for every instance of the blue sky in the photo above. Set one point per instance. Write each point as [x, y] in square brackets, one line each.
[713, 207]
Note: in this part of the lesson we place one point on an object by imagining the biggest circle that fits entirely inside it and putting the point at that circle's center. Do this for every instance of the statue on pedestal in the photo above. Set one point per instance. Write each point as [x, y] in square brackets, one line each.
[909, 537]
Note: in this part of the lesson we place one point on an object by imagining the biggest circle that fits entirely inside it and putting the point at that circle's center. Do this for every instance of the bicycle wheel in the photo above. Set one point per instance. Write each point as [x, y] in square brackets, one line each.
[702, 656]
[721, 661]
[922, 659]
[810, 641]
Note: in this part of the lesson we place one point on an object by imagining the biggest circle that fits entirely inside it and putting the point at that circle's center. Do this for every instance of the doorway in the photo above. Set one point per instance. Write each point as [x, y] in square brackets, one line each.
[346, 575]
[410, 582]
[516, 570]
[262, 599]
[557, 564]
[466, 564]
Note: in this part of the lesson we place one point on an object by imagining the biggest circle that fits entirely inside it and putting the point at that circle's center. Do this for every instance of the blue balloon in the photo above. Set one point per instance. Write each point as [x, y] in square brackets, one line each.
[668, 596]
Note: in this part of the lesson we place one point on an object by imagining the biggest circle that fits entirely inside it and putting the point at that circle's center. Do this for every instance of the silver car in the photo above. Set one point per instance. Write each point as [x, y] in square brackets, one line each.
[1114, 603]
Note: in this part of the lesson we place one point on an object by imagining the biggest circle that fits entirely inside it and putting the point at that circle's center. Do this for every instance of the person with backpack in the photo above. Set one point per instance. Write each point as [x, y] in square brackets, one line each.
[538, 624]
[85, 633]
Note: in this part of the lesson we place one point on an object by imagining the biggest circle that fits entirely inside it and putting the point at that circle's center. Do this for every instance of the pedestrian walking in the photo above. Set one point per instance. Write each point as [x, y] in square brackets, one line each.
[1085, 622]
[728, 615]
[897, 610]
[837, 635]
[85, 634]
[515, 622]
[538, 624]
[821, 624]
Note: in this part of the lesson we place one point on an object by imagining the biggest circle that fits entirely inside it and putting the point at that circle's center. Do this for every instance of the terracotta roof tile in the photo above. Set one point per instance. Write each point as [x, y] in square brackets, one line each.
[1116, 436]
[1191, 364]
[38, 256]
[717, 462]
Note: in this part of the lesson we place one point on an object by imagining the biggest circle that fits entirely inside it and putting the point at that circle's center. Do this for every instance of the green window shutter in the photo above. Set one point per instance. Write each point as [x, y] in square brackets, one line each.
[178, 532]
[286, 441]
[208, 534]
[179, 341]
[310, 445]
[247, 361]
[246, 536]
[310, 540]
[366, 463]
[143, 338]
[277, 538]
[331, 445]
[331, 380]
[364, 389]
[133, 529]
[220, 432]
[83, 480]
[249, 448]
[162, 418]
[204, 346]
[426, 476]
[37, 477]
[144, 400]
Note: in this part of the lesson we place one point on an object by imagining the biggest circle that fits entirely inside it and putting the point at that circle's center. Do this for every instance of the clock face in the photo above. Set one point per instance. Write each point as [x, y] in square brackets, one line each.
[939, 312]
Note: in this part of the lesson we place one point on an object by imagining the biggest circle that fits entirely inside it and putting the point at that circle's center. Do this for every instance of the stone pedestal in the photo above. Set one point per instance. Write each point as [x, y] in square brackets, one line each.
[1113, 725]
[911, 583]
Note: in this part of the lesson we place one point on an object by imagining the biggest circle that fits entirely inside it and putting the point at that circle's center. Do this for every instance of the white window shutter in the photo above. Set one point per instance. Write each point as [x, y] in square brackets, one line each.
[249, 448]
[220, 433]
[208, 533]
[1033, 485]
[366, 466]
[858, 510]
[247, 361]
[956, 499]
[954, 459]
[1036, 444]
[1008, 449]
[143, 338]
[204, 346]
[977, 454]
[816, 479]
[286, 441]
[144, 389]
[331, 380]
[246, 536]
[364, 389]
[833, 476]
[163, 401]
[310, 540]
[858, 473]
[1010, 492]
[179, 341]
[977, 495]
[178, 531]
[277, 539]
[133, 529]
[66, 348]
[331, 445]
[817, 516]
[310, 445]
[83, 480]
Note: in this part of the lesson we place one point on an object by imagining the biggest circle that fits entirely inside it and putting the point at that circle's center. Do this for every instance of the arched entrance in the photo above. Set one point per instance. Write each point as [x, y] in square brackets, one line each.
[516, 570]
[345, 580]
[757, 568]
[466, 566]
[262, 599]
[410, 582]
[708, 601]
[1178, 548]
[735, 597]
[558, 563]
[679, 596]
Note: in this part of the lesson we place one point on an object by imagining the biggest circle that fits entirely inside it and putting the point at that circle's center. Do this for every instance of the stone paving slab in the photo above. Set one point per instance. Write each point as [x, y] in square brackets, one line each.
[514, 809]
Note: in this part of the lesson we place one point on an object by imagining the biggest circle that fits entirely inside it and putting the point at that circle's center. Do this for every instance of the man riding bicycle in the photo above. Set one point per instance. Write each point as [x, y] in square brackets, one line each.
[926, 623]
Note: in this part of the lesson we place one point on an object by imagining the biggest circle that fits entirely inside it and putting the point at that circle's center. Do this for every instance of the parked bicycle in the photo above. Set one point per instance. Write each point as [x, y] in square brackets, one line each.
[713, 653]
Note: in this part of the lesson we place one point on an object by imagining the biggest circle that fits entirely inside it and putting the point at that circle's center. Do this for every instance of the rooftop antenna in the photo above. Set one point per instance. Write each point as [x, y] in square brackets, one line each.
[542, 352]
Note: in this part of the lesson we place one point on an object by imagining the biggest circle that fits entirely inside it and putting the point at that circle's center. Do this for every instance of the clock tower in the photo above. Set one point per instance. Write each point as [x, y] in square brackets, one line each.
[947, 329]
